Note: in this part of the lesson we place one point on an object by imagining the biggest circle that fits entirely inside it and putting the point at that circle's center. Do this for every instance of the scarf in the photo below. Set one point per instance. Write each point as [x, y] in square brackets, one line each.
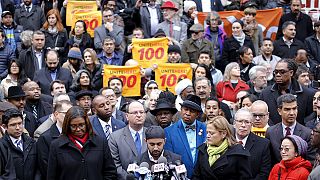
[240, 38]
[79, 142]
[215, 152]
[52, 30]
[76, 40]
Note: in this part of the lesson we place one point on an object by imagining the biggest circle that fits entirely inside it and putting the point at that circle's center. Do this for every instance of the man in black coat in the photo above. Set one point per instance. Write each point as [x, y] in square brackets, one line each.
[44, 141]
[17, 97]
[32, 59]
[52, 72]
[288, 109]
[34, 104]
[155, 139]
[22, 147]
[288, 45]
[259, 148]
[313, 45]
[285, 84]
[303, 21]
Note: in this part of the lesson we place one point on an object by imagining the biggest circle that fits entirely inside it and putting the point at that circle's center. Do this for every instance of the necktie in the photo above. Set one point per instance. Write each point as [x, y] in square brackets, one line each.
[138, 143]
[28, 8]
[288, 132]
[107, 131]
[34, 111]
[19, 144]
[240, 142]
[190, 127]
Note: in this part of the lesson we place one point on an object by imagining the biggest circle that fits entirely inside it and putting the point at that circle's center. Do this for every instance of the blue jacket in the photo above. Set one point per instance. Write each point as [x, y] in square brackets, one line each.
[215, 5]
[177, 142]
[6, 55]
[117, 58]
[97, 128]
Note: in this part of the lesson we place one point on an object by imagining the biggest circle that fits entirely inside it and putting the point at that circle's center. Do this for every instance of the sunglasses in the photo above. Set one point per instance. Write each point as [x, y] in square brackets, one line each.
[281, 72]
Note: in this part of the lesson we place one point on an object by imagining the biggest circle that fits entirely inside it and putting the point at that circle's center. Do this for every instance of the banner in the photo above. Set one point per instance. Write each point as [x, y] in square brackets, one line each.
[169, 74]
[79, 7]
[130, 76]
[268, 20]
[92, 19]
[150, 51]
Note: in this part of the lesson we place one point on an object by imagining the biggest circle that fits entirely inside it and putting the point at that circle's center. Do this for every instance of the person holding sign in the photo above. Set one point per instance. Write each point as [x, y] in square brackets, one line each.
[109, 28]
[172, 27]
[109, 55]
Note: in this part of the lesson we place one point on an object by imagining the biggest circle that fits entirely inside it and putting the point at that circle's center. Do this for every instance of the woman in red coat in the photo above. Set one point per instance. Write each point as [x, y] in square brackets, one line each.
[231, 85]
[292, 166]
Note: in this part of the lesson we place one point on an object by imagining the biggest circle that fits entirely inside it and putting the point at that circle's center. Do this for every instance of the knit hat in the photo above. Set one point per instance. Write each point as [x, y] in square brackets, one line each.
[182, 85]
[302, 145]
[187, 5]
[160, 32]
[174, 48]
[75, 53]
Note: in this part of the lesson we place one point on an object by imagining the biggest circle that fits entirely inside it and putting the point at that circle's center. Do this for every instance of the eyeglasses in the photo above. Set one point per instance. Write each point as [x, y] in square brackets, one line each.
[281, 72]
[74, 127]
[136, 112]
[258, 115]
[285, 149]
[149, 88]
[195, 32]
[108, 16]
[315, 130]
[246, 122]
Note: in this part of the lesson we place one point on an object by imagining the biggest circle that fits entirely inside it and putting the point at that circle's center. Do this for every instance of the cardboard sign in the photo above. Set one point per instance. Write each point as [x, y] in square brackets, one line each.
[169, 74]
[92, 19]
[79, 7]
[130, 76]
[150, 51]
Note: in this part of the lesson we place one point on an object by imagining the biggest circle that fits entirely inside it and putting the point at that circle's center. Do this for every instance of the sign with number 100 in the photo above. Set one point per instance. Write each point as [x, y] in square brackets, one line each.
[150, 53]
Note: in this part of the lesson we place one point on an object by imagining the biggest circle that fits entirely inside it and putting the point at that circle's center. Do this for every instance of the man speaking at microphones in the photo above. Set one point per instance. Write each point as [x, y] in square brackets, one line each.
[155, 139]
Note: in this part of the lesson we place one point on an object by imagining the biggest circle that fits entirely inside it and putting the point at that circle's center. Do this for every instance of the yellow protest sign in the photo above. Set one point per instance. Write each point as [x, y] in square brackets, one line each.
[150, 51]
[169, 74]
[130, 76]
[79, 7]
[92, 20]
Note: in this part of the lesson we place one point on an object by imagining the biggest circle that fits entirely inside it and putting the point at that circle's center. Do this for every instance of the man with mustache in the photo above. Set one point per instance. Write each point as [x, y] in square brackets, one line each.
[155, 139]
[258, 147]
[303, 21]
[116, 84]
[103, 122]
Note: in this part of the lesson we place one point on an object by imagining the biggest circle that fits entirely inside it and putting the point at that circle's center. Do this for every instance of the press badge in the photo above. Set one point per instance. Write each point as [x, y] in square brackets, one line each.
[176, 28]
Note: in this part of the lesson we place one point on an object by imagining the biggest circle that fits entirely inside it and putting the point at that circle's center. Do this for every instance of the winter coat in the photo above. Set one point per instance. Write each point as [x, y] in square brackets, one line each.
[225, 90]
[296, 169]
[56, 40]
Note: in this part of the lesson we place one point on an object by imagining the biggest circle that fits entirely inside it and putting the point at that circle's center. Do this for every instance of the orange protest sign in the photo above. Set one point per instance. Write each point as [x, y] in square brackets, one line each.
[79, 7]
[167, 75]
[92, 19]
[130, 76]
[267, 19]
[150, 51]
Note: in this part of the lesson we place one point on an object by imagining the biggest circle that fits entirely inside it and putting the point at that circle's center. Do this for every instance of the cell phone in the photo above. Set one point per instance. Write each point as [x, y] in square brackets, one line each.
[315, 84]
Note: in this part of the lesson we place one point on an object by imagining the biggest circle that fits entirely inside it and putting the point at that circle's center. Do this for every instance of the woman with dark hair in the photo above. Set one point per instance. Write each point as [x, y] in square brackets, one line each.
[234, 42]
[15, 77]
[247, 100]
[245, 62]
[78, 153]
[221, 157]
[91, 62]
[203, 70]
[79, 37]
[293, 165]
[81, 81]
[56, 34]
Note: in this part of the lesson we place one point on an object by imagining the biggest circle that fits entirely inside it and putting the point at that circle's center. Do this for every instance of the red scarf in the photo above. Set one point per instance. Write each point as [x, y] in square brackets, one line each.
[79, 142]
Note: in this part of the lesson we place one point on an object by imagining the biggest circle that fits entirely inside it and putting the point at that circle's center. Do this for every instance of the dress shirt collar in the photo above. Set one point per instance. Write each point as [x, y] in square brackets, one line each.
[291, 128]
[152, 159]
[244, 140]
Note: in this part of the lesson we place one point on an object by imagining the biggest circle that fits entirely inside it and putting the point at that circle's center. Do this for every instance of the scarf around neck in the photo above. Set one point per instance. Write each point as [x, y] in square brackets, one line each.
[52, 30]
[215, 152]
[79, 142]
[240, 38]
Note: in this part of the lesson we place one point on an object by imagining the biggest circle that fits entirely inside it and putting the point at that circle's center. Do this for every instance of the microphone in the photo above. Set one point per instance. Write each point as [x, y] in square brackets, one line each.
[132, 167]
[181, 170]
[161, 168]
[143, 171]
[172, 170]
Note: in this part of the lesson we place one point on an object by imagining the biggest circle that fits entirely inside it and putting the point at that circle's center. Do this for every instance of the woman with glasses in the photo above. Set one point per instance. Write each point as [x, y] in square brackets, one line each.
[221, 157]
[293, 165]
[78, 153]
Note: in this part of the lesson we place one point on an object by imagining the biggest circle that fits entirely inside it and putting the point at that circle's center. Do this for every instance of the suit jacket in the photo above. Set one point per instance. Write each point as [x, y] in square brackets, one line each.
[275, 134]
[179, 33]
[43, 148]
[260, 158]
[304, 100]
[97, 128]
[177, 142]
[44, 127]
[43, 78]
[100, 33]
[33, 20]
[123, 150]
[27, 60]
[215, 5]
[43, 108]
[121, 116]
[145, 19]
[170, 156]
[25, 161]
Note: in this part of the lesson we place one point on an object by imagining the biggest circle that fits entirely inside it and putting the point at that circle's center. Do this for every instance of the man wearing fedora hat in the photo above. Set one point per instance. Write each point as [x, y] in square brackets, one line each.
[155, 139]
[172, 25]
[188, 133]
[17, 97]
[163, 113]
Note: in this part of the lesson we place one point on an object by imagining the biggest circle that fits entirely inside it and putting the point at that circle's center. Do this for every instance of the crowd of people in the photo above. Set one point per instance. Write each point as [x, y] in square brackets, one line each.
[250, 111]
